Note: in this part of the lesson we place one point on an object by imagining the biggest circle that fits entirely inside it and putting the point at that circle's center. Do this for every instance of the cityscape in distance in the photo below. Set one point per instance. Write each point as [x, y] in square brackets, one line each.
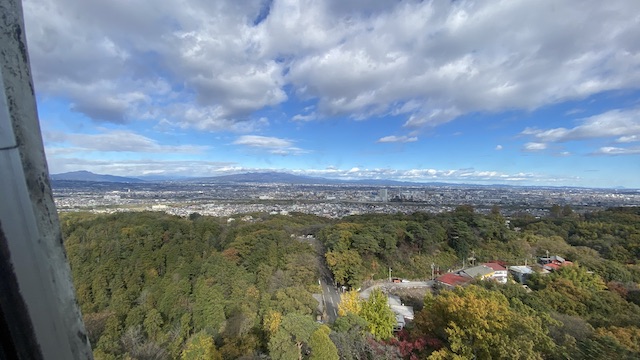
[283, 193]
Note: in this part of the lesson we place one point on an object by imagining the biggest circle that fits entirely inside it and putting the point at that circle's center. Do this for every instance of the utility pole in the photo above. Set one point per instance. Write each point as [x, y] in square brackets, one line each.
[389, 273]
[433, 268]
[472, 259]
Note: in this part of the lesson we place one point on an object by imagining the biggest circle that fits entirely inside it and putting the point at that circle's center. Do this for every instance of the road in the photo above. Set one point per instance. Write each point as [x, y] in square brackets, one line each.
[330, 294]
[330, 297]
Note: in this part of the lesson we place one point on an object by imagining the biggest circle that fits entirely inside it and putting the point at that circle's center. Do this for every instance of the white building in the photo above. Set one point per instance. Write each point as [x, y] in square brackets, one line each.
[499, 272]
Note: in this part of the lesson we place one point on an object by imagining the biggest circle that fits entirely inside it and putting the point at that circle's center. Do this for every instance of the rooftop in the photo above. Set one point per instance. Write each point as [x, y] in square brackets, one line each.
[495, 266]
[480, 270]
[452, 279]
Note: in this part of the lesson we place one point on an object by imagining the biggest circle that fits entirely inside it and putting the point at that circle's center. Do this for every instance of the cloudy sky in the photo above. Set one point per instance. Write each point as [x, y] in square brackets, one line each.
[517, 92]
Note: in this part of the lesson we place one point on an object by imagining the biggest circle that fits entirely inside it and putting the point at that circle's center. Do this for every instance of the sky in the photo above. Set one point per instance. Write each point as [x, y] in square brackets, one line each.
[520, 92]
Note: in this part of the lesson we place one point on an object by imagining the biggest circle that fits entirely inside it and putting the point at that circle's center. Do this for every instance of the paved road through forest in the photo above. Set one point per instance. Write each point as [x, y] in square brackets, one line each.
[330, 294]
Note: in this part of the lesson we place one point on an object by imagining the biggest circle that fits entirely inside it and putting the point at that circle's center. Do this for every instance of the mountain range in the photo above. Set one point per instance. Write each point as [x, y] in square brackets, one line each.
[255, 177]
[89, 176]
[251, 177]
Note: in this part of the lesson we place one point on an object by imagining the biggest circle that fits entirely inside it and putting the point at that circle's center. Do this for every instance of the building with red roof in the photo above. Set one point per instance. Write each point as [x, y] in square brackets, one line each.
[451, 280]
[499, 271]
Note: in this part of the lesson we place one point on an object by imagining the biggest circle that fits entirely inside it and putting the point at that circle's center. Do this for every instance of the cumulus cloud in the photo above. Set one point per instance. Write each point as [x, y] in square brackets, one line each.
[621, 124]
[273, 145]
[396, 139]
[498, 147]
[430, 61]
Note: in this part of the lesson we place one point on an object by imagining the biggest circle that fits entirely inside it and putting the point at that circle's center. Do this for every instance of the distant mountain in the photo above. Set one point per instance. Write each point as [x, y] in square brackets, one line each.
[161, 178]
[89, 176]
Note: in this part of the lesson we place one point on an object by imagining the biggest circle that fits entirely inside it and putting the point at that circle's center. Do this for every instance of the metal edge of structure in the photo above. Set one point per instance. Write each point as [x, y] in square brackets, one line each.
[29, 224]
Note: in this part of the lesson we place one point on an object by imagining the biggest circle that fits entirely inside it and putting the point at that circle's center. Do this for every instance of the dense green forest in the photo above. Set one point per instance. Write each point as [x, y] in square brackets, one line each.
[154, 286]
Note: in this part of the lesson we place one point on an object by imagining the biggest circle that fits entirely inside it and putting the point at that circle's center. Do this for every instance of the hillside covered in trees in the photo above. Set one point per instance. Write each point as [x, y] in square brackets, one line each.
[154, 286]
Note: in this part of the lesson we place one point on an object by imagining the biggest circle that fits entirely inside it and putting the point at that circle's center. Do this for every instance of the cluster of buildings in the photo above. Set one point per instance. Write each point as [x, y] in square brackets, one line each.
[492, 270]
[499, 271]
[183, 198]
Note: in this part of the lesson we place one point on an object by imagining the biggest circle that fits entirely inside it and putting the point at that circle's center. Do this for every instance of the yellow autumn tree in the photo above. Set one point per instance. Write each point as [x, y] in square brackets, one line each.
[628, 337]
[350, 302]
[477, 323]
[271, 322]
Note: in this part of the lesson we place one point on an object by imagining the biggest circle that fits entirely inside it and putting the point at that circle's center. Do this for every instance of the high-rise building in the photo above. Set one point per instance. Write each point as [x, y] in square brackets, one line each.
[384, 196]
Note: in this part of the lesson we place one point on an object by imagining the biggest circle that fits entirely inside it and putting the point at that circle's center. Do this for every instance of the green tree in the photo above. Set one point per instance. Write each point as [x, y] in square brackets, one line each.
[580, 277]
[208, 308]
[380, 319]
[110, 340]
[350, 322]
[153, 324]
[322, 348]
[294, 332]
[346, 266]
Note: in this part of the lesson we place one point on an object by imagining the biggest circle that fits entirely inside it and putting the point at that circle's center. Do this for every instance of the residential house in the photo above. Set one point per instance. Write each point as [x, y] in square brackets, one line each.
[554, 262]
[499, 272]
[521, 273]
[478, 272]
[451, 280]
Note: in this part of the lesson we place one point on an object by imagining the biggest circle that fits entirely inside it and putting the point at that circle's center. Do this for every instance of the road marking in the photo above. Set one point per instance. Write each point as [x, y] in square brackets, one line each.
[335, 312]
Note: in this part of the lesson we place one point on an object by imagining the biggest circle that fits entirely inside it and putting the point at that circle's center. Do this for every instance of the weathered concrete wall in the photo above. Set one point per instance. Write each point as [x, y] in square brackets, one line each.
[46, 247]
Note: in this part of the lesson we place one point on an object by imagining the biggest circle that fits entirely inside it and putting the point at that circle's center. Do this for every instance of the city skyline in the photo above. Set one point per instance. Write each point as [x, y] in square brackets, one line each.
[519, 93]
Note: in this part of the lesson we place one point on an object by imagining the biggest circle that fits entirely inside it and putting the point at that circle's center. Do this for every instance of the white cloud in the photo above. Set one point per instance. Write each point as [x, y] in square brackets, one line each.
[534, 146]
[197, 168]
[273, 145]
[628, 139]
[211, 118]
[431, 60]
[262, 141]
[433, 175]
[112, 141]
[395, 139]
[624, 124]
[303, 118]
[498, 147]
[612, 150]
[141, 167]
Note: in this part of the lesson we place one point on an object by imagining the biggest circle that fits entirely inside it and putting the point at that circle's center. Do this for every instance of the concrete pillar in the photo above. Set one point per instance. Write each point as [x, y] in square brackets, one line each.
[32, 256]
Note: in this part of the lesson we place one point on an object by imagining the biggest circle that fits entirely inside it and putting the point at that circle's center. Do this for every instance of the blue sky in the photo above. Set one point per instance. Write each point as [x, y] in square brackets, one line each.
[500, 92]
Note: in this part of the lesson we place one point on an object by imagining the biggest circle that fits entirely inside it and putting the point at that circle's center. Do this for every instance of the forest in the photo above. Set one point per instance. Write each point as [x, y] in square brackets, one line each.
[155, 286]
